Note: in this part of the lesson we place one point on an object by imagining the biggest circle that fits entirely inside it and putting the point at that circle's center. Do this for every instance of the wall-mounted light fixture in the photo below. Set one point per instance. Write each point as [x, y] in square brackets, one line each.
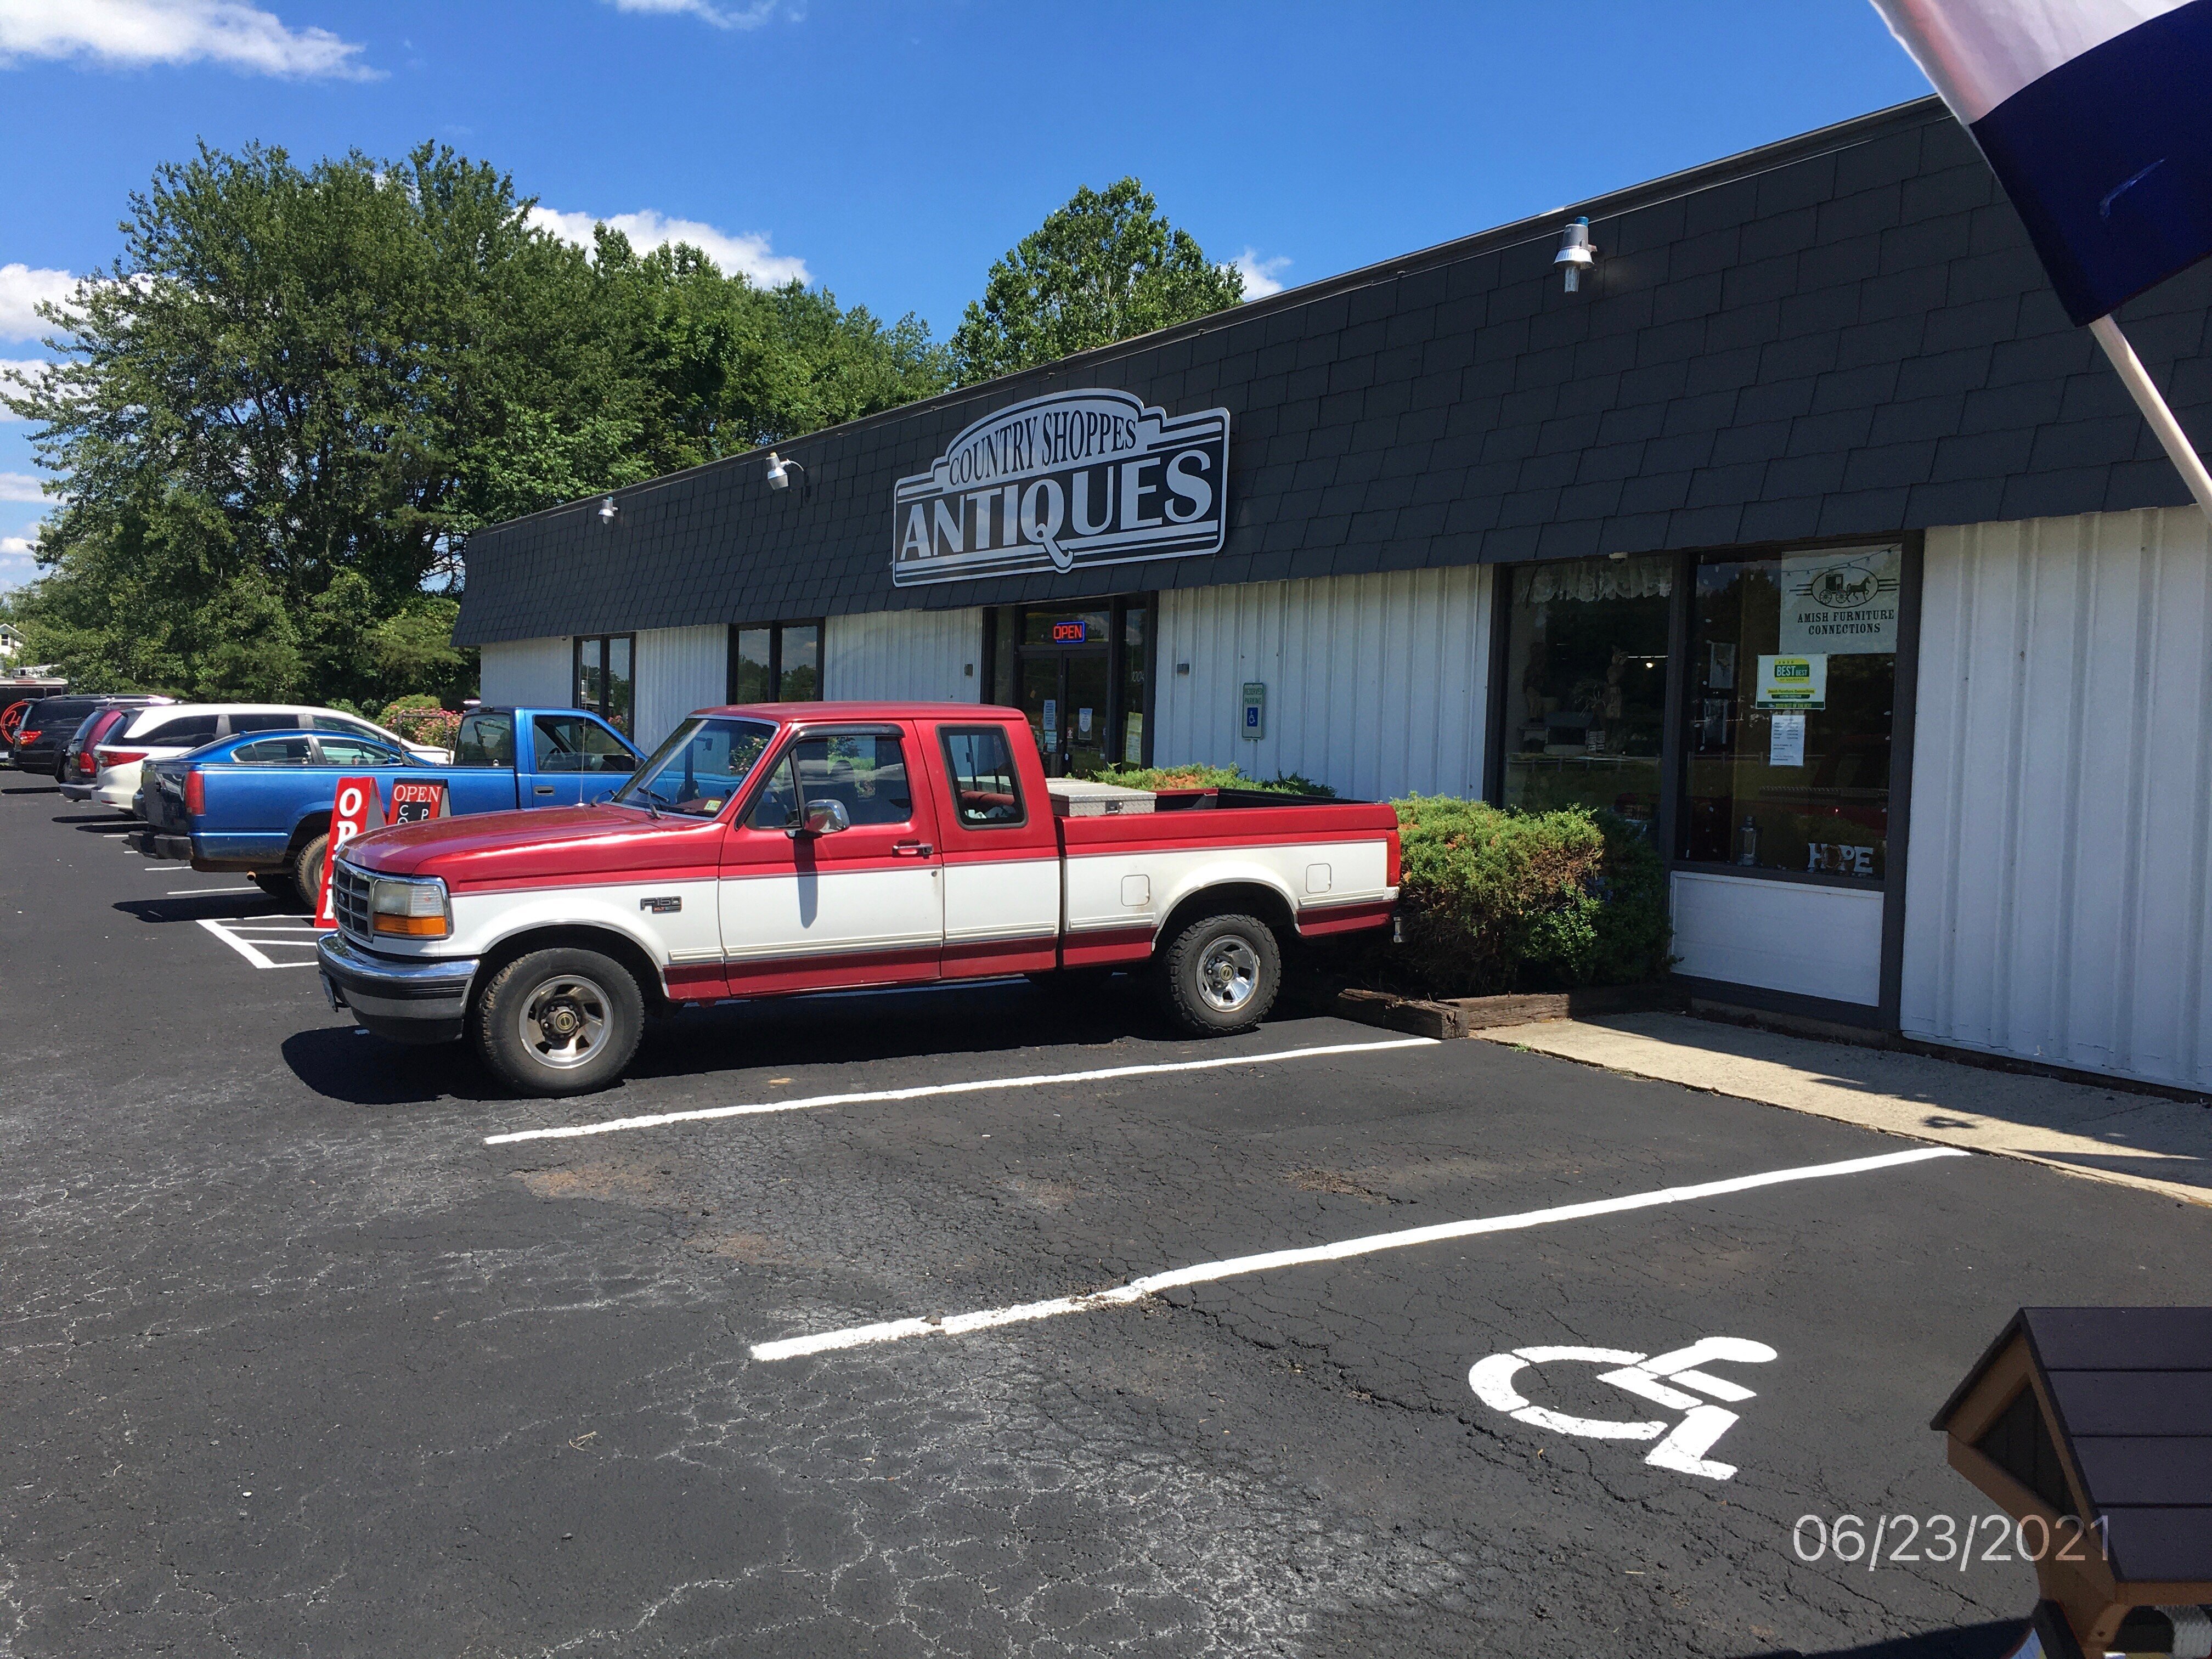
[607, 510]
[780, 471]
[1575, 252]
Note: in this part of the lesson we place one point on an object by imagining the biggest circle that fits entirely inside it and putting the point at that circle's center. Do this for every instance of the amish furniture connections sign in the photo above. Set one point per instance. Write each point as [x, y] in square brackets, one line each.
[1074, 478]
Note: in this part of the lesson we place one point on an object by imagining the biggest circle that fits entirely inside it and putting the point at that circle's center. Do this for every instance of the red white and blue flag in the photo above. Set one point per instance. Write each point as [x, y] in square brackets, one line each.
[2096, 116]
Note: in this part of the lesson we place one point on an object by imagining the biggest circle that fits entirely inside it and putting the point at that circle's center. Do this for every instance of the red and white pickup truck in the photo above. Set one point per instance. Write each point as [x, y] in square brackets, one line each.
[784, 848]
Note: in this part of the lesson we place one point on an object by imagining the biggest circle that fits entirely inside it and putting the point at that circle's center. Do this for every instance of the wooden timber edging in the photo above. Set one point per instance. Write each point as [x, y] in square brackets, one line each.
[1458, 1017]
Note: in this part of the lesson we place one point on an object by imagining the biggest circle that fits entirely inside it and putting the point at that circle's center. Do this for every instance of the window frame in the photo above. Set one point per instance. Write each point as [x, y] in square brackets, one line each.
[775, 630]
[602, 708]
[945, 736]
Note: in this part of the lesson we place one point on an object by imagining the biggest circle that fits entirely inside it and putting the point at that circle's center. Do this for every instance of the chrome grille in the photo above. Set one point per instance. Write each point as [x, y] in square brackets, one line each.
[350, 901]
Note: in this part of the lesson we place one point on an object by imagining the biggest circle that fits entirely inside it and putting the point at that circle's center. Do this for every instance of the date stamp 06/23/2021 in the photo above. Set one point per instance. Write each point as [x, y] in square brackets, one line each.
[1944, 1540]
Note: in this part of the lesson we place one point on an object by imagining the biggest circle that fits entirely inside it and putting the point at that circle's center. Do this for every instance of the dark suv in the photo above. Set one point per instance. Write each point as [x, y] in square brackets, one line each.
[47, 726]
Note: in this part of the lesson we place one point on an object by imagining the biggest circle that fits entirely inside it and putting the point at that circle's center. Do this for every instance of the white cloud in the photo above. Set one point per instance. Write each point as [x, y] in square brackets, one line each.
[1260, 275]
[132, 34]
[648, 229]
[722, 17]
[17, 564]
[20, 487]
[22, 287]
[18, 375]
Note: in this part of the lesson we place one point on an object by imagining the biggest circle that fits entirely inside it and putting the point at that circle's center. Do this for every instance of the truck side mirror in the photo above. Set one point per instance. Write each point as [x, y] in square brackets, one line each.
[2072, 1422]
[827, 818]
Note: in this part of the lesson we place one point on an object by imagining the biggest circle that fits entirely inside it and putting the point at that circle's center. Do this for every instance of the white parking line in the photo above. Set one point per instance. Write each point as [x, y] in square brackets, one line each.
[658, 1119]
[247, 948]
[194, 892]
[1207, 1272]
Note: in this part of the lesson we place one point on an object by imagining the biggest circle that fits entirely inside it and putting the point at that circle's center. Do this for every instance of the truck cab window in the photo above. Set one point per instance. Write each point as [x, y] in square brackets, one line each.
[484, 740]
[558, 744]
[865, 773]
[980, 763]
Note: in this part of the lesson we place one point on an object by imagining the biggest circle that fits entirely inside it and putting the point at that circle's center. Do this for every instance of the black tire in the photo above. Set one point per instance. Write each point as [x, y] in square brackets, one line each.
[559, 1021]
[278, 885]
[1220, 975]
[307, 870]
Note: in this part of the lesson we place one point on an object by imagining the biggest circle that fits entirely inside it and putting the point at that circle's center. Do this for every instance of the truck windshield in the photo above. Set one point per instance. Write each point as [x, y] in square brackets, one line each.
[703, 762]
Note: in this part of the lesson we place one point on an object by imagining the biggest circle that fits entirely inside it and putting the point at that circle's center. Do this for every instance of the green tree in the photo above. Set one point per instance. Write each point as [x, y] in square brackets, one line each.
[1103, 268]
[286, 405]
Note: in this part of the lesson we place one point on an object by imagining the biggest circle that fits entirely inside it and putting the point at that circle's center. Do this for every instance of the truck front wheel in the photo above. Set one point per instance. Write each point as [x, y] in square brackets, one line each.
[560, 1022]
[1220, 975]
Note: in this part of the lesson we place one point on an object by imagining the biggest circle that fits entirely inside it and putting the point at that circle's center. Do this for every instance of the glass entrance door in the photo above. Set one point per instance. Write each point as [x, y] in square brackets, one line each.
[1065, 695]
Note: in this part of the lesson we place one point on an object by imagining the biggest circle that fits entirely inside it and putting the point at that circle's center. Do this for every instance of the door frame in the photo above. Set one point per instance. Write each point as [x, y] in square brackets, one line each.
[1002, 642]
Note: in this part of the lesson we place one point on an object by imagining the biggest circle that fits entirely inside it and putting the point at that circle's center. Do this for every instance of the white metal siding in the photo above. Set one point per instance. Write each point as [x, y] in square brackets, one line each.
[1815, 941]
[2056, 887]
[676, 670]
[918, 655]
[534, 673]
[1376, 684]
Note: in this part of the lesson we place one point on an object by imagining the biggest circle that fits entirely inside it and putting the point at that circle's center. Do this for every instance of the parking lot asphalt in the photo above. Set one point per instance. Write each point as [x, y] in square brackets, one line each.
[303, 1354]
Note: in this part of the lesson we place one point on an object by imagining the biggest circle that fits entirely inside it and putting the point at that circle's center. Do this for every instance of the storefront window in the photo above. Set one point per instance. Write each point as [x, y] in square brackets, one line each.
[778, 663]
[1793, 677]
[1586, 686]
[603, 677]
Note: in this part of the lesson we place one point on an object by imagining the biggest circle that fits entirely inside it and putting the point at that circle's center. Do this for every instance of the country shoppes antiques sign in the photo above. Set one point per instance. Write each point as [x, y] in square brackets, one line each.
[1075, 478]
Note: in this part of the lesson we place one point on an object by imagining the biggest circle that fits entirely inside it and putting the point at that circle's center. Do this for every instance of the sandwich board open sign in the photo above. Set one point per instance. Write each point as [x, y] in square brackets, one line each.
[357, 810]
[419, 802]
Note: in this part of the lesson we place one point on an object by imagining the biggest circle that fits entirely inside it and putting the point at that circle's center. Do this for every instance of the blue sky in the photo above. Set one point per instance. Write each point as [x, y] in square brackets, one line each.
[891, 151]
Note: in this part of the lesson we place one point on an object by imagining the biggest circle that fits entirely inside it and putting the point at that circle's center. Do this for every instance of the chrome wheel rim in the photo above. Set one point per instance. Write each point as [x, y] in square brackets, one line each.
[564, 1022]
[1228, 973]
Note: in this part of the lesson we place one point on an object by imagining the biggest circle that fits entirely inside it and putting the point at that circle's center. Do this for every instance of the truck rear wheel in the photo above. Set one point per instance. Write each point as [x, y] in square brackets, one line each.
[1220, 975]
[559, 1021]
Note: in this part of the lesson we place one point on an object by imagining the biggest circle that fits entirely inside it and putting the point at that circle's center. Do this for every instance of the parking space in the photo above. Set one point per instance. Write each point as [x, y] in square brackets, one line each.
[973, 1321]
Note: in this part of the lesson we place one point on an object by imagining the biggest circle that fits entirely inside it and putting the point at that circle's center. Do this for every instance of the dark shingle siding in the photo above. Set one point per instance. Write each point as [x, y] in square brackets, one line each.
[1844, 334]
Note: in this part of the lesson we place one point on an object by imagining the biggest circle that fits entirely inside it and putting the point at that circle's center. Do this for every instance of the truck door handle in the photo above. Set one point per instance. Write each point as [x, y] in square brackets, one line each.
[913, 849]
[543, 789]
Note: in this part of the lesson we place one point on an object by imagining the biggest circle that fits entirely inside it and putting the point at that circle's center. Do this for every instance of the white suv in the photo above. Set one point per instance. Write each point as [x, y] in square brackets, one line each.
[178, 728]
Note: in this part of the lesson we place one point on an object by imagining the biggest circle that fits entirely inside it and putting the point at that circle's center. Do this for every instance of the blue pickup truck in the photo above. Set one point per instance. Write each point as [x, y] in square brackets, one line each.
[261, 803]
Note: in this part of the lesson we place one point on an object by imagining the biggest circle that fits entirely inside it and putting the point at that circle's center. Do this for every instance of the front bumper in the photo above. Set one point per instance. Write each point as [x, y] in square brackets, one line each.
[422, 999]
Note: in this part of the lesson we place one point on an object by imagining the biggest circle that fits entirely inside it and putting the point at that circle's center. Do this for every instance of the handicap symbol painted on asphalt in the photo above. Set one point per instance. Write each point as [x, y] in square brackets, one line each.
[1682, 1447]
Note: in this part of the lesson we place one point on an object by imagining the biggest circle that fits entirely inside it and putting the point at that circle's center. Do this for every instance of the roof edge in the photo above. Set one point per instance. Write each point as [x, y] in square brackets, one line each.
[1630, 198]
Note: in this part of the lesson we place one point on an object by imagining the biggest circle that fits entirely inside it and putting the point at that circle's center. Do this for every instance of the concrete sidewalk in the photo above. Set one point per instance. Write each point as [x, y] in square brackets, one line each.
[2158, 1144]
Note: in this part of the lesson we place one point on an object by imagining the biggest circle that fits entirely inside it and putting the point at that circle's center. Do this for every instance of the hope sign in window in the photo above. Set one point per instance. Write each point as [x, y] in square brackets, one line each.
[1791, 699]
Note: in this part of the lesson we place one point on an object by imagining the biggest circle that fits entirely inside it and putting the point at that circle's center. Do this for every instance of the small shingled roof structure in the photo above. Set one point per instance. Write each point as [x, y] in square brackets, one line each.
[2103, 1415]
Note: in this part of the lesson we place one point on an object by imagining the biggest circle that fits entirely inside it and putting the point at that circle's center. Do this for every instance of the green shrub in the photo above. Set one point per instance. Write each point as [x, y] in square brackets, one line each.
[1195, 777]
[1495, 900]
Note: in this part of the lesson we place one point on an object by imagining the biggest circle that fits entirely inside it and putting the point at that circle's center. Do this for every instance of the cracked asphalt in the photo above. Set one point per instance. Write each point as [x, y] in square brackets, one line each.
[294, 1363]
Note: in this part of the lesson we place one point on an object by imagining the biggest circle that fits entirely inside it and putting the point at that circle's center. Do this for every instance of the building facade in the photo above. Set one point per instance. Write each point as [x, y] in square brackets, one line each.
[1805, 532]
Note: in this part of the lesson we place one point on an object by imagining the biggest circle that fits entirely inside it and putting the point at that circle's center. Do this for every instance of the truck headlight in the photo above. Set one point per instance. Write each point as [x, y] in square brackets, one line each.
[414, 909]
